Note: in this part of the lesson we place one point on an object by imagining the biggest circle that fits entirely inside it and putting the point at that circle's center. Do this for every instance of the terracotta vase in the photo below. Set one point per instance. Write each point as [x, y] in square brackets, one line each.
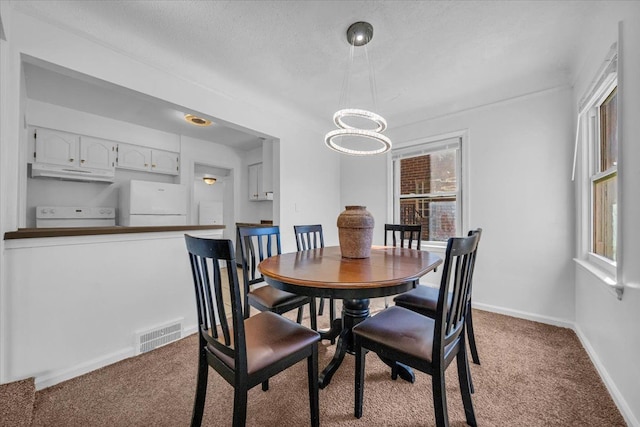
[355, 231]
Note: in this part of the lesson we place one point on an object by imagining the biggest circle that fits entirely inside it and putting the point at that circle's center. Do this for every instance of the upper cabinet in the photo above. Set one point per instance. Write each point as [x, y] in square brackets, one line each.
[58, 154]
[148, 159]
[165, 162]
[97, 153]
[261, 175]
[66, 149]
[134, 157]
[256, 191]
[56, 148]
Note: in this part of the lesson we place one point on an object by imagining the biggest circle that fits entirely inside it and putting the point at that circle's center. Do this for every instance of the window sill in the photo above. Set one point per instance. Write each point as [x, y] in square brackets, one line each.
[433, 246]
[603, 276]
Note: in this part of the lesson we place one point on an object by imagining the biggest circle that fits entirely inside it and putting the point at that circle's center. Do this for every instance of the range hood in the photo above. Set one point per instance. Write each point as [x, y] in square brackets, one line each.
[43, 170]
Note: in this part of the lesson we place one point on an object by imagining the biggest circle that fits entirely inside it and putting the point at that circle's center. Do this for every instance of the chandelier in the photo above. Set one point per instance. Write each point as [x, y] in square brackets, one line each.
[358, 34]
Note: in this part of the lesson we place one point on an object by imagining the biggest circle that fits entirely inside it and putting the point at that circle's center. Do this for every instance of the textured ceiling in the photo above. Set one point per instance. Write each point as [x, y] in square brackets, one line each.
[429, 57]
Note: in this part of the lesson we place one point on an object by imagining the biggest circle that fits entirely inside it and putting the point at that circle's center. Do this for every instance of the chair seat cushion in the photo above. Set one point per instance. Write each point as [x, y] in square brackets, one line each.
[401, 329]
[423, 299]
[270, 337]
[268, 296]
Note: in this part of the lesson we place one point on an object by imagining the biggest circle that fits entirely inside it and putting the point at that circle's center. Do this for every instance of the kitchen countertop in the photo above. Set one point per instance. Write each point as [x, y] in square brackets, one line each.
[29, 233]
[263, 223]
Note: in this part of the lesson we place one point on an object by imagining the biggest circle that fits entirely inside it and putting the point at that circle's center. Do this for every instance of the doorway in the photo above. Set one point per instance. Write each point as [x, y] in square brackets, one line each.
[213, 197]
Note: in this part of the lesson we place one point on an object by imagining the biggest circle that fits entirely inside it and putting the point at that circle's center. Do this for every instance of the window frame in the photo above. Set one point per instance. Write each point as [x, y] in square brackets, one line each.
[608, 272]
[424, 146]
[593, 173]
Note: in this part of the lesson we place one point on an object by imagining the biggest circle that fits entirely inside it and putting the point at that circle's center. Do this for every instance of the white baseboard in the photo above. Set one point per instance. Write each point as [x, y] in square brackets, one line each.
[57, 376]
[617, 397]
[190, 330]
[563, 323]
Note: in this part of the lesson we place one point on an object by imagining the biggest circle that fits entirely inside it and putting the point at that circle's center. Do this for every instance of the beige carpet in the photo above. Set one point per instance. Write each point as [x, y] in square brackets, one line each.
[16, 403]
[531, 375]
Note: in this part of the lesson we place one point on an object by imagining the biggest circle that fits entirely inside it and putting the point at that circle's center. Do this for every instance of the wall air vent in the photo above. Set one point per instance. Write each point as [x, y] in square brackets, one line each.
[157, 337]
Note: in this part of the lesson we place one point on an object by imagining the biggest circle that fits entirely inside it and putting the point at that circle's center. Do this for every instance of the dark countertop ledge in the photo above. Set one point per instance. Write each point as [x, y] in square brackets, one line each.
[30, 233]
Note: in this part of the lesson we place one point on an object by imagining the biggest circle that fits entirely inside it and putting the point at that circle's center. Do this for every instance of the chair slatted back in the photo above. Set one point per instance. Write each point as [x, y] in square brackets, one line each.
[477, 231]
[401, 233]
[308, 237]
[456, 278]
[256, 244]
[205, 256]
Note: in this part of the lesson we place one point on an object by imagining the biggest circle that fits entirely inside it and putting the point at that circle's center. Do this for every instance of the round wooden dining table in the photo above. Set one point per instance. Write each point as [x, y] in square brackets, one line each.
[323, 272]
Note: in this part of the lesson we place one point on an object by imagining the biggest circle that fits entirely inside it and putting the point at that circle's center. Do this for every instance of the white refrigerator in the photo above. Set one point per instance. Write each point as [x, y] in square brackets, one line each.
[147, 203]
[210, 213]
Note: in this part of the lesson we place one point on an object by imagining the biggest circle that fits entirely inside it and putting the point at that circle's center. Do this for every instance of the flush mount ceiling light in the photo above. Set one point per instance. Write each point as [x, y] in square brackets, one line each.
[209, 180]
[358, 34]
[198, 121]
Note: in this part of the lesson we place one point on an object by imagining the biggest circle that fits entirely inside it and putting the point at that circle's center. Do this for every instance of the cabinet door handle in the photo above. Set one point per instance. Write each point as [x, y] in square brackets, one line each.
[82, 161]
[153, 165]
[71, 160]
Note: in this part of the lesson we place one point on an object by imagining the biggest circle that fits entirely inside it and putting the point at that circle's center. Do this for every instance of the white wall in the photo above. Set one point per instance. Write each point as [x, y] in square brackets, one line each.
[68, 275]
[519, 192]
[608, 327]
[78, 301]
[310, 185]
[196, 151]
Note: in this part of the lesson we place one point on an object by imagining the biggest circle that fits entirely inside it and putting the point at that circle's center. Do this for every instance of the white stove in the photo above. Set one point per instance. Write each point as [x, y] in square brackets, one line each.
[67, 216]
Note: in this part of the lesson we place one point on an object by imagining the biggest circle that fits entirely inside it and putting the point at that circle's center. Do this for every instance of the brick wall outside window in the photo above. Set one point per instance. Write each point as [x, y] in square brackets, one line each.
[429, 175]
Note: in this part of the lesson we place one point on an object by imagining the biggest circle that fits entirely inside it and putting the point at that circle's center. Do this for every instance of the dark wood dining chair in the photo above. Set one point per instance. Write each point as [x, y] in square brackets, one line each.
[402, 235]
[311, 237]
[256, 244]
[424, 299]
[245, 352]
[426, 344]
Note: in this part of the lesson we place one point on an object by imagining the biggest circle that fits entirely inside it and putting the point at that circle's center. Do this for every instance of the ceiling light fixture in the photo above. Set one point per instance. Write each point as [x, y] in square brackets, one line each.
[209, 180]
[198, 121]
[358, 34]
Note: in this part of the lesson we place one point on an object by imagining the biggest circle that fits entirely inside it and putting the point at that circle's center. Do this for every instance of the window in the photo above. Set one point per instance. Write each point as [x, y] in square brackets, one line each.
[598, 133]
[604, 177]
[427, 188]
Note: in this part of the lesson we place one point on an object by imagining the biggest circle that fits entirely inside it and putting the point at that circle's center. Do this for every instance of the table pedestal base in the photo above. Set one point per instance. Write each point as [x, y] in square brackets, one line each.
[354, 311]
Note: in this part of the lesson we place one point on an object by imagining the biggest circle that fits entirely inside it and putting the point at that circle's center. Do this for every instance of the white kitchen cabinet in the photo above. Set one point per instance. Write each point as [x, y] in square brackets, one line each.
[257, 191]
[255, 181]
[56, 148]
[165, 162]
[134, 157]
[147, 159]
[96, 153]
[66, 149]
